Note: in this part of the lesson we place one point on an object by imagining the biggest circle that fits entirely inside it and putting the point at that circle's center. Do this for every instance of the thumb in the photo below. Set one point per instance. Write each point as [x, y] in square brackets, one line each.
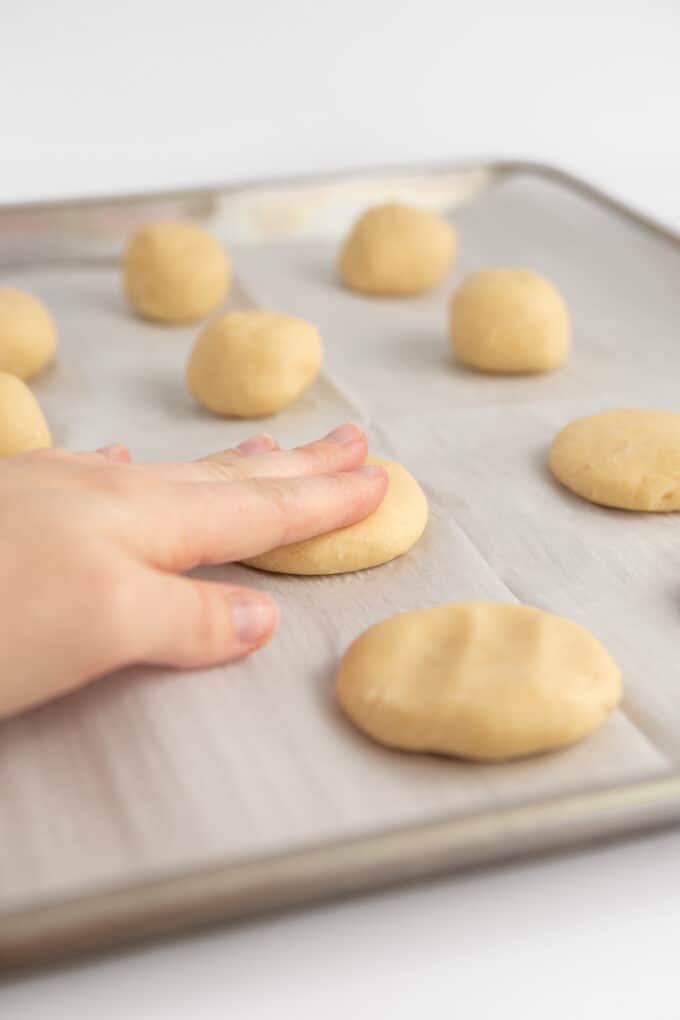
[193, 623]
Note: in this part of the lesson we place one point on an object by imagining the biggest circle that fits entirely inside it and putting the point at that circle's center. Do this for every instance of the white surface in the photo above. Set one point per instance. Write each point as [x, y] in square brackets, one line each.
[96, 98]
[548, 940]
[139, 93]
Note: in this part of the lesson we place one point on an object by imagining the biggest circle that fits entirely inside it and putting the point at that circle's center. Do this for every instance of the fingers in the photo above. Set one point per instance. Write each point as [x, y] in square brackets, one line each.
[192, 623]
[260, 443]
[260, 457]
[341, 450]
[115, 452]
[192, 471]
[216, 523]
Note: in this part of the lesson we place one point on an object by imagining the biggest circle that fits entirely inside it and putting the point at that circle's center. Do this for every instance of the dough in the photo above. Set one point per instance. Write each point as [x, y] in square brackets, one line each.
[175, 272]
[479, 680]
[388, 532]
[22, 425]
[628, 459]
[28, 338]
[253, 363]
[397, 249]
[508, 320]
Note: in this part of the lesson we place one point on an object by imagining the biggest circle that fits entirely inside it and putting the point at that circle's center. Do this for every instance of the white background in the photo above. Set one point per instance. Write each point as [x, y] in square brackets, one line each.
[136, 94]
[109, 97]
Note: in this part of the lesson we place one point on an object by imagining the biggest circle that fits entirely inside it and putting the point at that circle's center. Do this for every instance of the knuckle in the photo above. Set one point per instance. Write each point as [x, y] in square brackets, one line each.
[352, 497]
[206, 630]
[111, 594]
[110, 479]
[317, 455]
[281, 505]
[218, 471]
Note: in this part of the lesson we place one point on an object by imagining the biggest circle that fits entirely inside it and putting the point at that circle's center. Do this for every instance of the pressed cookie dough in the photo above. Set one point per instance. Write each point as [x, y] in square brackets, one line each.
[175, 272]
[28, 337]
[253, 363]
[22, 423]
[626, 458]
[508, 321]
[396, 249]
[478, 680]
[389, 531]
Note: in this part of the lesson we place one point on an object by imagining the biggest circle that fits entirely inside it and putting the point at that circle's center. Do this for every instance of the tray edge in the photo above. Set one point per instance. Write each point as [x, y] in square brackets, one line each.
[192, 900]
[497, 168]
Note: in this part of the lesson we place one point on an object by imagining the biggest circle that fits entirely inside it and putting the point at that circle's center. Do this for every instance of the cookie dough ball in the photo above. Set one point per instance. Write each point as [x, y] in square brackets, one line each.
[478, 680]
[397, 250]
[22, 424]
[388, 532]
[628, 459]
[175, 272]
[28, 337]
[252, 363]
[508, 320]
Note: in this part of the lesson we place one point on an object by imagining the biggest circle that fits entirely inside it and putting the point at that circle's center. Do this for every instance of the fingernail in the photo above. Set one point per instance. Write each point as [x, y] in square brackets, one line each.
[114, 451]
[252, 619]
[257, 444]
[371, 471]
[344, 434]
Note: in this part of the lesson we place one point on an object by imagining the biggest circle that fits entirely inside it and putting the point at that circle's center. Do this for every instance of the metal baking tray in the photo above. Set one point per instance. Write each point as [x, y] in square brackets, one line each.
[155, 802]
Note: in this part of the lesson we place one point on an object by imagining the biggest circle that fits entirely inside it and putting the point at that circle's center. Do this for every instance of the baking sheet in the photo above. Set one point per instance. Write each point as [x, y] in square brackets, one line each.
[151, 774]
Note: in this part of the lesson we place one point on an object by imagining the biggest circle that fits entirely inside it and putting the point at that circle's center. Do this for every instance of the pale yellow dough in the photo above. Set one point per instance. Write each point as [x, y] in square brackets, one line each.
[478, 680]
[397, 249]
[628, 459]
[28, 337]
[22, 424]
[388, 532]
[175, 272]
[253, 363]
[508, 321]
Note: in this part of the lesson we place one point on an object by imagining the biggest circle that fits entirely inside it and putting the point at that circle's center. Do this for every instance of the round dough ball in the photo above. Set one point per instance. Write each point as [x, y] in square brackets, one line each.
[22, 424]
[508, 320]
[479, 680]
[175, 272]
[28, 337]
[396, 249]
[388, 532]
[252, 363]
[628, 459]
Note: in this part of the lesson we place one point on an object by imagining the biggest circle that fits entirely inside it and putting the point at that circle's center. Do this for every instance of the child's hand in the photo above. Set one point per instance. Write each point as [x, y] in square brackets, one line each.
[91, 546]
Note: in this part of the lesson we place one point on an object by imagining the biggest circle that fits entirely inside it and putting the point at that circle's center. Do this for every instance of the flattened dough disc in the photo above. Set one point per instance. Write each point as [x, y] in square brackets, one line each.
[388, 532]
[628, 459]
[478, 680]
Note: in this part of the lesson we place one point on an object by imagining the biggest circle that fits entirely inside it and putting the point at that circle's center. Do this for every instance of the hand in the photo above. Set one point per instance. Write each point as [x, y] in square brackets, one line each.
[91, 546]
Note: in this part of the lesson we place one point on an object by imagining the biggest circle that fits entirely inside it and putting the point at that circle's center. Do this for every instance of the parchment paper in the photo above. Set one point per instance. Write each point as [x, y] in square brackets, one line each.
[150, 771]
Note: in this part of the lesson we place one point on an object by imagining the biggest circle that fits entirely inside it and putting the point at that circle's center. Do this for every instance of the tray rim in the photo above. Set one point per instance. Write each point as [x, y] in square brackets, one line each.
[497, 168]
[189, 899]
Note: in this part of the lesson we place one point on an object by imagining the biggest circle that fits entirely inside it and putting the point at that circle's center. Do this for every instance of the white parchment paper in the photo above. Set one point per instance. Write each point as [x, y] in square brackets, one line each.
[150, 771]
